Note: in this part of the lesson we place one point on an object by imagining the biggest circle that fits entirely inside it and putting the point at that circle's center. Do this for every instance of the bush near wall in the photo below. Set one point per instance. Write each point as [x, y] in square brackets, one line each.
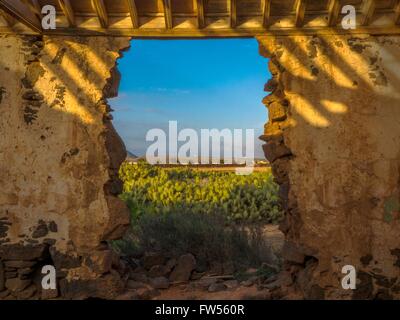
[153, 189]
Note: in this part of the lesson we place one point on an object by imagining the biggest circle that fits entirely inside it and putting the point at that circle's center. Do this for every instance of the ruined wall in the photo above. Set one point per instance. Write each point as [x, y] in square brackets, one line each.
[57, 147]
[334, 140]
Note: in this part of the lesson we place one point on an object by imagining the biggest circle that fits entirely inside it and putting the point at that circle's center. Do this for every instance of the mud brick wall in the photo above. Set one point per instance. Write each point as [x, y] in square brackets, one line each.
[59, 156]
[333, 138]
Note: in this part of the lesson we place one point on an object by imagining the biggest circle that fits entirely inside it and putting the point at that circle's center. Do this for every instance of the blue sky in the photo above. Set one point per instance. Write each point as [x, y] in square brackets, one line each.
[202, 84]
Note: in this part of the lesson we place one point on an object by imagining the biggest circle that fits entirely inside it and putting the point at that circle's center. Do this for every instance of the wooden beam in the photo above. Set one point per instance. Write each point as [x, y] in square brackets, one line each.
[368, 11]
[100, 8]
[133, 13]
[397, 13]
[168, 14]
[333, 12]
[21, 13]
[266, 13]
[300, 9]
[201, 20]
[68, 11]
[233, 13]
[34, 7]
[9, 19]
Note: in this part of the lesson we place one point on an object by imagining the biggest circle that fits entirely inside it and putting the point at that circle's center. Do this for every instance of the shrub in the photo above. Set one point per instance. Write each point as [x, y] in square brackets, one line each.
[208, 237]
[152, 189]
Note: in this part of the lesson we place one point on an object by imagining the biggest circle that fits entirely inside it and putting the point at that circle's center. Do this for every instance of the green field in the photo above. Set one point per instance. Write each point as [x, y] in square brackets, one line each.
[157, 190]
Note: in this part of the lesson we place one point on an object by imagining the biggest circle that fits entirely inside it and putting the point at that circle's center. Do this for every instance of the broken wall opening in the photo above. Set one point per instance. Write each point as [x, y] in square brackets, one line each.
[159, 77]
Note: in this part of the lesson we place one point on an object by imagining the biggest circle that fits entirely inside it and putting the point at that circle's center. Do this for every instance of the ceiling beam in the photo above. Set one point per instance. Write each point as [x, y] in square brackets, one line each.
[22, 13]
[35, 7]
[233, 13]
[68, 11]
[267, 13]
[300, 9]
[9, 19]
[368, 10]
[100, 8]
[167, 14]
[201, 19]
[333, 12]
[133, 13]
[397, 13]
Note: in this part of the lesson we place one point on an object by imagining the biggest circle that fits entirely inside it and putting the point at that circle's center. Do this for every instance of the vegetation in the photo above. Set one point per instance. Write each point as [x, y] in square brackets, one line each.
[206, 213]
[153, 189]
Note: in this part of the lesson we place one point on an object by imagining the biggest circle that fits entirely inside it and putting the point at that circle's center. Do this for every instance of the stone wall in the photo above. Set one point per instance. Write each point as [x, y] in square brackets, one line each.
[334, 140]
[57, 149]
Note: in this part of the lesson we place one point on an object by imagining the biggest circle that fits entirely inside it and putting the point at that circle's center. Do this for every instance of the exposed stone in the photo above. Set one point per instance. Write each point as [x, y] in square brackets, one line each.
[159, 283]
[247, 283]
[147, 294]
[16, 284]
[48, 294]
[216, 287]
[108, 286]
[138, 276]
[26, 293]
[292, 253]
[182, 271]
[4, 294]
[19, 263]
[2, 276]
[158, 271]
[231, 284]
[204, 283]
[153, 259]
[100, 261]
[10, 274]
[22, 252]
[131, 284]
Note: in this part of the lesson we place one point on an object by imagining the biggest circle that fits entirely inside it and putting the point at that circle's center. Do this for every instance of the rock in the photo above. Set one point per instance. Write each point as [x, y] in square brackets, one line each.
[17, 284]
[231, 284]
[19, 263]
[204, 283]
[24, 271]
[182, 271]
[19, 252]
[131, 284]
[291, 253]
[247, 283]
[197, 275]
[153, 259]
[147, 294]
[100, 261]
[158, 271]
[159, 283]
[284, 279]
[4, 294]
[2, 277]
[10, 274]
[138, 277]
[41, 230]
[129, 295]
[26, 293]
[216, 287]
[171, 263]
[49, 294]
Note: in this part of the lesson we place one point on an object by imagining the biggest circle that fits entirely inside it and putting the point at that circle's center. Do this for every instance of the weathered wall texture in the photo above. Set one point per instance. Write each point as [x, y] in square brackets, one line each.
[334, 139]
[57, 149]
